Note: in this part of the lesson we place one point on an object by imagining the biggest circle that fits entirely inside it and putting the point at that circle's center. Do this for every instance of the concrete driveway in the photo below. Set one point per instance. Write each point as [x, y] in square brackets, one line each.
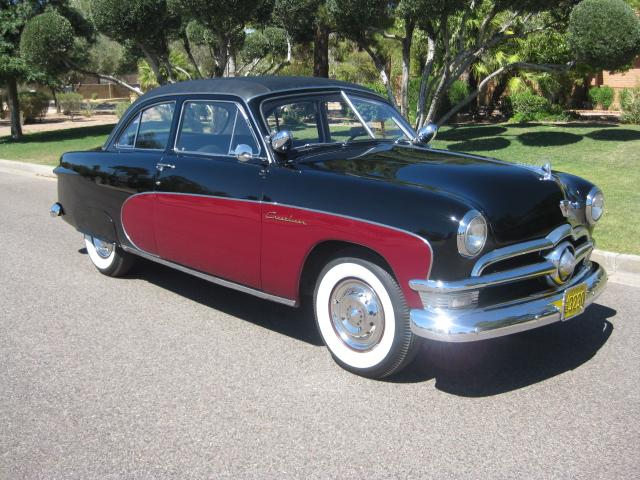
[161, 375]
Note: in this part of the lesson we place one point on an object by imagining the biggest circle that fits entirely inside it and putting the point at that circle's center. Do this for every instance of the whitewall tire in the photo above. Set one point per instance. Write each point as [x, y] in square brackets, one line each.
[107, 257]
[362, 317]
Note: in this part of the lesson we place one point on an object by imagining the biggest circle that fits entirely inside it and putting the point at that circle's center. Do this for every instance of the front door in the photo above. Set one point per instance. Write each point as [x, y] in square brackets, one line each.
[208, 214]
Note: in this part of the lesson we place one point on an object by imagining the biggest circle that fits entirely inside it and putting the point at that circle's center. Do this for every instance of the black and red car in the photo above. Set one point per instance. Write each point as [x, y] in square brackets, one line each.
[281, 187]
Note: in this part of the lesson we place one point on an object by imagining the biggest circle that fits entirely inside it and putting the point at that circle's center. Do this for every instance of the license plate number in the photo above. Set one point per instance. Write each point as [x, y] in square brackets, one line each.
[574, 299]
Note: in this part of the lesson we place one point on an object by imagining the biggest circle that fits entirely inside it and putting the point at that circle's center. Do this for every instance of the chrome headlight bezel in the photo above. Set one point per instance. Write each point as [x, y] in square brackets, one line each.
[591, 206]
[470, 220]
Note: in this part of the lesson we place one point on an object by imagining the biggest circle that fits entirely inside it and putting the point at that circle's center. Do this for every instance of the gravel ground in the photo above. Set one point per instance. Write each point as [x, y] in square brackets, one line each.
[161, 375]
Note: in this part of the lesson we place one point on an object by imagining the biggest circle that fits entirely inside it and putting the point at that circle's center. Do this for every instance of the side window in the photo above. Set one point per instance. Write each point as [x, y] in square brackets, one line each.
[155, 125]
[128, 137]
[300, 118]
[343, 124]
[215, 128]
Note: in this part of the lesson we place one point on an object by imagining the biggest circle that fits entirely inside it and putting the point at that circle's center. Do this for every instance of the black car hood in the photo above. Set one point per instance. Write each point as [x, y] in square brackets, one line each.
[517, 201]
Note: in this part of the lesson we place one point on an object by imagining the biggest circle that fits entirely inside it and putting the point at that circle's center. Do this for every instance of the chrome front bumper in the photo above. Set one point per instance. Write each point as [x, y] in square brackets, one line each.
[471, 324]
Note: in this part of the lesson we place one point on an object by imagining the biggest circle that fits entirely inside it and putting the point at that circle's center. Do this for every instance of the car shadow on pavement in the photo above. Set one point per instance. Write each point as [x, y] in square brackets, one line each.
[297, 323]
[475, 369]
[492, 367]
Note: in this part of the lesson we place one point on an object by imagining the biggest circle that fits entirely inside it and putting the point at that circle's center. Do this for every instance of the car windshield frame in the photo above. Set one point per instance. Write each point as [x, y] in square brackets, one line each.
[348, 98]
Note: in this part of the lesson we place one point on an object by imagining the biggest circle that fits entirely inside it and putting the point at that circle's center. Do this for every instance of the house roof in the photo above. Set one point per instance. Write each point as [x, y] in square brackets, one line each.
[249, 87]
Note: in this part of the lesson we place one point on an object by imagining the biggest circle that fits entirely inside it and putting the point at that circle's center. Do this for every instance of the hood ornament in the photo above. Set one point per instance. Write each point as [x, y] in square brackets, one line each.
[546, 171]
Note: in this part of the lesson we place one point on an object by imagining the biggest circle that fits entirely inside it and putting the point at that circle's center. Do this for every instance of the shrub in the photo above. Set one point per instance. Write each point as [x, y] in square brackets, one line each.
[602, 97]
[71, 103]
[458, 92]
[33, 105]
[121, 107]
[89, 108]
[630, 104]
[529, 107]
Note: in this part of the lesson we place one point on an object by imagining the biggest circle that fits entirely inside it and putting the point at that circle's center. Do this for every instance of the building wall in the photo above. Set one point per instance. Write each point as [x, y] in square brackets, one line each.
[619, 81]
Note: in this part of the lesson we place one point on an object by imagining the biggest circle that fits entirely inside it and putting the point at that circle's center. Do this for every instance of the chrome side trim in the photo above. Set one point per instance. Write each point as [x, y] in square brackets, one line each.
[210, 278]
[530, 246]
[506, 319]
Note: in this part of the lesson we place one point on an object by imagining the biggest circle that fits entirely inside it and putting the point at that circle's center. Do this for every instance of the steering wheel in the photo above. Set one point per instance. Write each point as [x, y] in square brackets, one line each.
[356, 132]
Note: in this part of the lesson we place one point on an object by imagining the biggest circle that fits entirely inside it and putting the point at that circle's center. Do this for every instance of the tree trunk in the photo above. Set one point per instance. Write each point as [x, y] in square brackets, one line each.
[424, 81]
[437, 96]
[187, 49]
[231, 65]
[14, 105]
[321, 51]
[378, 61]
[472, 96]
[55, 99]
[472, 81]
[406, 67]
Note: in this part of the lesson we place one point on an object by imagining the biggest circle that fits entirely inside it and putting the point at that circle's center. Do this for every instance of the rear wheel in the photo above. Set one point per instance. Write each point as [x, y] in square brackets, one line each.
[363, 318]
[107, 257]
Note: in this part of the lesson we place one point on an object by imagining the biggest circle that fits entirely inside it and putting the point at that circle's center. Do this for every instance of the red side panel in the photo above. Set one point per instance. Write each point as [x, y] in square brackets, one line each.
[214, 235]
[290, 234]
[138, 214]
[263, 246]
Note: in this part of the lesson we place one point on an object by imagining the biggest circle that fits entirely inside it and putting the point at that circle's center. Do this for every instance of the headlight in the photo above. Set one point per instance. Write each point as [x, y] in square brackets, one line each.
[595, 205]
[472, 234]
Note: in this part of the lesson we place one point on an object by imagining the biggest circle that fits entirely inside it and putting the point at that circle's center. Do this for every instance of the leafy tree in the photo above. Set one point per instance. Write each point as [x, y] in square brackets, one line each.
[45, 42]
[604, 34]
[13, 16]
[224, 22]
[265, 51]
[146, 24]
[362, 21]
[306, 21]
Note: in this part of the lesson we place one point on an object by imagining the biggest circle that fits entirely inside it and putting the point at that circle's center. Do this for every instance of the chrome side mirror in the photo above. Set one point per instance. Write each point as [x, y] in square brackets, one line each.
[426, 133]
[281, 141]
[243, 152]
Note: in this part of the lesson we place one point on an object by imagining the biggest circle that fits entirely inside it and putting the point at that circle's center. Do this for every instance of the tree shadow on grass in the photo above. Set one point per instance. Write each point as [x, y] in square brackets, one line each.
[481, 145]
[492, 367]
[617, 135]
[61, 135]
[548, 139]
[468, 133]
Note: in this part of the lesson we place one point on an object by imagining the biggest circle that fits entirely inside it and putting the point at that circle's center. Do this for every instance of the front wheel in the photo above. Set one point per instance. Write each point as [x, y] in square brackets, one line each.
[107, 257]
[363, 318]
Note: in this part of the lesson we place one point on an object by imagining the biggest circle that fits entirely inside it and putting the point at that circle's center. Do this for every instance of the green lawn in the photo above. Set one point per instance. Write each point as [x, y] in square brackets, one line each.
[606, 154]
[46, 147]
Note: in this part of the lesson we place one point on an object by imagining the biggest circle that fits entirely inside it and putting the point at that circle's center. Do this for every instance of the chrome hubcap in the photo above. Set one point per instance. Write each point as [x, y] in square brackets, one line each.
[357, 314]
[103, 249]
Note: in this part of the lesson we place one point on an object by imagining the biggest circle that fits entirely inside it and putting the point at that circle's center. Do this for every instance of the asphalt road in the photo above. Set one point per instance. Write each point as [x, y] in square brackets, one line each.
[161, 375]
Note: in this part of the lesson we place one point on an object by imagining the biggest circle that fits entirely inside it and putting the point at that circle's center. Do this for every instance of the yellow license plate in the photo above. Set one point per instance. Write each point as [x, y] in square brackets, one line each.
[574, 299]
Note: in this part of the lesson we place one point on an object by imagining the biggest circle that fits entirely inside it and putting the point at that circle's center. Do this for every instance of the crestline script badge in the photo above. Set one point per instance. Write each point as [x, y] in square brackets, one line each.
[283, 218]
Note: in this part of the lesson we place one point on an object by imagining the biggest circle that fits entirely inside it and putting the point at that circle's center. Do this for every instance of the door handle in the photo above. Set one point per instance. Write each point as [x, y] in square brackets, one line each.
[161, 166]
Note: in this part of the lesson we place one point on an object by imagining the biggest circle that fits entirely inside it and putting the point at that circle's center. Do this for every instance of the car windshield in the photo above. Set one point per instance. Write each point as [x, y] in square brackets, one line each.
[319, 119]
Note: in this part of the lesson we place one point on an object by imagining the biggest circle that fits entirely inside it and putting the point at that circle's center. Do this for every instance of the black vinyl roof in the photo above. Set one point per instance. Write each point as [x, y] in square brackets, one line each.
[249, 87]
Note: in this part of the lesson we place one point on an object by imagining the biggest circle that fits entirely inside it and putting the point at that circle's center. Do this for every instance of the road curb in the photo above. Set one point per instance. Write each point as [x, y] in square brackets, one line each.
[24, 167]
[617, 262]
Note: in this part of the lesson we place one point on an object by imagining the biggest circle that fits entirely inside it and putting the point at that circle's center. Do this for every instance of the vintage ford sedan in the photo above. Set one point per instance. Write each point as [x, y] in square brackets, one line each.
[306, 188]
